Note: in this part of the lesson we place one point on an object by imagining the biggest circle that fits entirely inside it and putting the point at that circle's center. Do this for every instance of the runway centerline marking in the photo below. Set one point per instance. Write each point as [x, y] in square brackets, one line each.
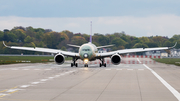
[9, 91]
[4, 90]
[51, 77]
[2, 95]
[43, 79]
[17, 88]
[25, 86]
[168, 86]
[34, 83]
[25, 69]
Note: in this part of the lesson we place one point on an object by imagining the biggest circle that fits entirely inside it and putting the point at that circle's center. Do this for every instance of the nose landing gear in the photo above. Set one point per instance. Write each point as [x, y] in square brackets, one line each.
[85, 65]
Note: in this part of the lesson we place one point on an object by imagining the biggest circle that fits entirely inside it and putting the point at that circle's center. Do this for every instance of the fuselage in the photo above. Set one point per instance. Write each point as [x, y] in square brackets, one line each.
[87, 52]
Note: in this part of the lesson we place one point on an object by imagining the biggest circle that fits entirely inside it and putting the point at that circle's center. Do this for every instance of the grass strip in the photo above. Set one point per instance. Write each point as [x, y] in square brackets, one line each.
[27, 59]
[175, 61]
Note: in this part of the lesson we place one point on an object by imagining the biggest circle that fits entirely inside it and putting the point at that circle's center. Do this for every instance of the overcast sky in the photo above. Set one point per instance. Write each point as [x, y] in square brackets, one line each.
[134, 17]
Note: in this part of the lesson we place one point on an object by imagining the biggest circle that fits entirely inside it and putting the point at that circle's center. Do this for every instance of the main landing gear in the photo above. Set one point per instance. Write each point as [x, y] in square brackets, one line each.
[74, 63]
[102, 63]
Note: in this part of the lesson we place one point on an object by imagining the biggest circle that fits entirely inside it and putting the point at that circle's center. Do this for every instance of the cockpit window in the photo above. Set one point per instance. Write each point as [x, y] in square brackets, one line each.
[85, 49]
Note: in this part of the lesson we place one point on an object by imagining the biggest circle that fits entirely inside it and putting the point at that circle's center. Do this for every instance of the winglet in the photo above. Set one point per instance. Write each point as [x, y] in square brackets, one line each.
[6, 45]
[173, 46]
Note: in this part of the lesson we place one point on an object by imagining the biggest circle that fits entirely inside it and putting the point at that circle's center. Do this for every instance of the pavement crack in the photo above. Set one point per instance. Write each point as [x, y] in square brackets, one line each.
[74, 86]
[139, 85]
[106, 86]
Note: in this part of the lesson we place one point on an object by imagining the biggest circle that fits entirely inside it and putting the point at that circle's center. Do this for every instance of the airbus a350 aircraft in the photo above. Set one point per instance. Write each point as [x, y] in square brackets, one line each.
[88, 52]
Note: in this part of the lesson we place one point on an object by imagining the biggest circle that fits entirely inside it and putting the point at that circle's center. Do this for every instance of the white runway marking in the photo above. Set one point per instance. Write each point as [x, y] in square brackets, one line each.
[34, 83]
[107, 69]
[66, 72]
[138, 60]
[50, 77]
[57, 75]
[48, 69]
[13, 90]
[168, 86]
[14, 69]
[43, 79]
[36, 69]
[25, 69]
[25, 86]
[2, 94]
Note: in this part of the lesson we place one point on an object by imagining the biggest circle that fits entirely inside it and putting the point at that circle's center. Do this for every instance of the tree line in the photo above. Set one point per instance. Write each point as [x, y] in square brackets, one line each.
[46, 38]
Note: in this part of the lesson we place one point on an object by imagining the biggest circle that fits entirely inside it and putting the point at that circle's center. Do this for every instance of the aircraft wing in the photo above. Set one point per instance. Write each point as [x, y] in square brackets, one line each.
[125, 51]
[47, 50]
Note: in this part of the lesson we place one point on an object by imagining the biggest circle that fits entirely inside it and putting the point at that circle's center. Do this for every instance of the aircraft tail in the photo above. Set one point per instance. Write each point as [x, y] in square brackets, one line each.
[90, 40]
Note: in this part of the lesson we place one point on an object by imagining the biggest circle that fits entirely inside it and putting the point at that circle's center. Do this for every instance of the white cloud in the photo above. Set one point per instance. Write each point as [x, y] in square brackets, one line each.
[163, 25]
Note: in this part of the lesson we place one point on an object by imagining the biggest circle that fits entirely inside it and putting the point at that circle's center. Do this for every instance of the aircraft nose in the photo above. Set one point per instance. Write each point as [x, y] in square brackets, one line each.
[85, 55]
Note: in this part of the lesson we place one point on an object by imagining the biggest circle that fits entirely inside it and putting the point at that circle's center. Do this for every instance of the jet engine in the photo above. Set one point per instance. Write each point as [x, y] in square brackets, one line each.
[116, 59]
[59, 59]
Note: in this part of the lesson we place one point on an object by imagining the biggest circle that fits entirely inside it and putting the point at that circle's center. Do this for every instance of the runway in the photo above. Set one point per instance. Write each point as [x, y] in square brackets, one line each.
[124, 82]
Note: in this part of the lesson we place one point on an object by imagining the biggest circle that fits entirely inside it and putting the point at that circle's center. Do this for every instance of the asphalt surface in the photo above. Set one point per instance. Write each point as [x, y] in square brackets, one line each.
[135, 80]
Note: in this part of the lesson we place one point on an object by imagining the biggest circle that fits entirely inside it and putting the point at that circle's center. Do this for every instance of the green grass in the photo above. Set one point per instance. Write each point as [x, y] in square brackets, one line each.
[175, 61]
[26, 59]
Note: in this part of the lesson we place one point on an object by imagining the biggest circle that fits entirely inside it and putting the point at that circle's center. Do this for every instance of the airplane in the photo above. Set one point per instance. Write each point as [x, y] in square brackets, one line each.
[88, 52]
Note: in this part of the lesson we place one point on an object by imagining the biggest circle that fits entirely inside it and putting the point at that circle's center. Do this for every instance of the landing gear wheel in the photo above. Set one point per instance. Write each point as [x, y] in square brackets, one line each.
[71, 64]
[74, 62]
[102, 63]
[76, 65]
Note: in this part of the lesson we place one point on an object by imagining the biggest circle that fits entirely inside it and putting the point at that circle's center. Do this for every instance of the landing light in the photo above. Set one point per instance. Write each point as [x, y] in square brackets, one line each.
[86, 61]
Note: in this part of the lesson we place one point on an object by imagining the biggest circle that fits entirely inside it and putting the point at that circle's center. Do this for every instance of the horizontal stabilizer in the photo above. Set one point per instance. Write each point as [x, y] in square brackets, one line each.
[74, 45]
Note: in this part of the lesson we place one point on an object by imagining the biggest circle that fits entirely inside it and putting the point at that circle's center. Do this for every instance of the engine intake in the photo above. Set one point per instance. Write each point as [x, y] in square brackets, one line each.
[59, 59]
[116, 59]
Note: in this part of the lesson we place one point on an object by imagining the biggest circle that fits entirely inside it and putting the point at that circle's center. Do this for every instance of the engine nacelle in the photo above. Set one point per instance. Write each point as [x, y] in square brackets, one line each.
[59, 59]
[116, 59]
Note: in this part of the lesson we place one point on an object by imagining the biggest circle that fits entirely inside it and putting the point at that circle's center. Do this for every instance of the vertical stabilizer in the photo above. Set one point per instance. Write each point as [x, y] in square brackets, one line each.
[90, 40]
